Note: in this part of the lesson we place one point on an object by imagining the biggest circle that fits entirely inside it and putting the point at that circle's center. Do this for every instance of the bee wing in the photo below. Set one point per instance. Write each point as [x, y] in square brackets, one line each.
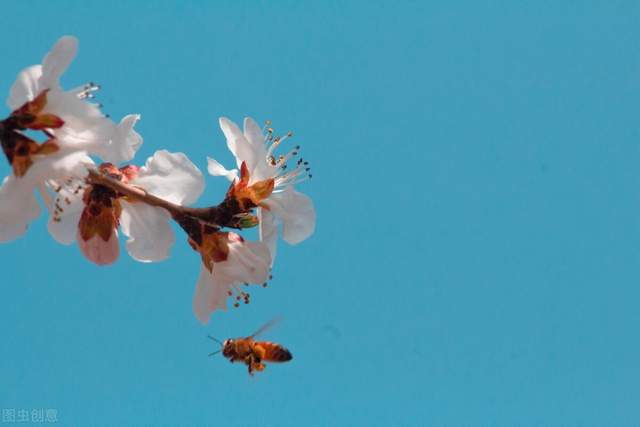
[270, 324]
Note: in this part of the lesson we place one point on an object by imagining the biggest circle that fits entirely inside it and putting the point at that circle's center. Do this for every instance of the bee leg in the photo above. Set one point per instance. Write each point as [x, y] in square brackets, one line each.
[249, 362]
[253, 363]
[257, 363]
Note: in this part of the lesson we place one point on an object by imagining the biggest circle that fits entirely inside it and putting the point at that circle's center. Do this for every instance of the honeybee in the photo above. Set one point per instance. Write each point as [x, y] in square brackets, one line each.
[251, 352]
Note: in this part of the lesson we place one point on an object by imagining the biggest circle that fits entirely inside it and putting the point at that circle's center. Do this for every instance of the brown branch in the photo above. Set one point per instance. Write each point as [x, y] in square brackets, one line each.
[136, 193]
[215, 216]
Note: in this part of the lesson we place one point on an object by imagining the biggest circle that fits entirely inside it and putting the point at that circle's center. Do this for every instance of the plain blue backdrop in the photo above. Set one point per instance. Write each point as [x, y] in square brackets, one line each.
[477, 182]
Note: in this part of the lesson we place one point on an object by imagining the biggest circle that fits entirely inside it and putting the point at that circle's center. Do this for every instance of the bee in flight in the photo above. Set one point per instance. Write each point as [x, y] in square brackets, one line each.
[251, 352]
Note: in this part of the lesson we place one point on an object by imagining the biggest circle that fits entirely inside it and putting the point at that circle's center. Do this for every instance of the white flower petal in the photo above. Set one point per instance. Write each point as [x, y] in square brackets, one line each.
[253, 133]
[82, 119]
[261, 169]
[172, 177]
[62, 164]
[25, 88]
[296, 212]
[65, 230]
[248, 262]
[126, 141]
[211, 294]
[150, 235]
[56, 62]
[36, 78]
[242, 149]
[231, 132]
[216, 169]
[98, 251]
[268, 230]
[18, 207]
[85, 128]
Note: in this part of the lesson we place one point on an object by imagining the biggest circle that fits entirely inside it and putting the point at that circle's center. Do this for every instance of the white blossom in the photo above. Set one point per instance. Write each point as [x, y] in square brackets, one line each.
[285, 206]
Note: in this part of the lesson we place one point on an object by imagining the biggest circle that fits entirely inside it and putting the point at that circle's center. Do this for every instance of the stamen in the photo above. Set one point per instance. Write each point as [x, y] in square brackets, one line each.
[282, 160]
[288, 135]
[269, 134]
[63, 192]
[273, 146]
[86, 91]
[300, 173]
[239, 295]
[299, 181]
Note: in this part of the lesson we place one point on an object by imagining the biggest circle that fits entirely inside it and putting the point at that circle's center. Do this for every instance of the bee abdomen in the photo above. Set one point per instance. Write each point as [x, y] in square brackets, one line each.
[276, 353]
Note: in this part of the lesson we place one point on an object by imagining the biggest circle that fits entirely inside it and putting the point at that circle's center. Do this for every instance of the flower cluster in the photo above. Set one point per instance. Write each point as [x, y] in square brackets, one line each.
[59, 144]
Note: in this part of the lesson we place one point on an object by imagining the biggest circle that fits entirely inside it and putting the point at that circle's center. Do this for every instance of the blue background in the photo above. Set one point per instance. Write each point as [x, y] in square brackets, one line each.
[476, 259]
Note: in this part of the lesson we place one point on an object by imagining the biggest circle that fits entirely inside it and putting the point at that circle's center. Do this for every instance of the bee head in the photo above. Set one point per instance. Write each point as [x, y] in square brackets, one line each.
[227, 348]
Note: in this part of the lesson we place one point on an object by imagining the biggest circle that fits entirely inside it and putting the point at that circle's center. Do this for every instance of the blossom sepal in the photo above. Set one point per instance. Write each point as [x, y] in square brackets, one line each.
[244, 220]
[19, 150]
[250, 195]
[29, 115]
